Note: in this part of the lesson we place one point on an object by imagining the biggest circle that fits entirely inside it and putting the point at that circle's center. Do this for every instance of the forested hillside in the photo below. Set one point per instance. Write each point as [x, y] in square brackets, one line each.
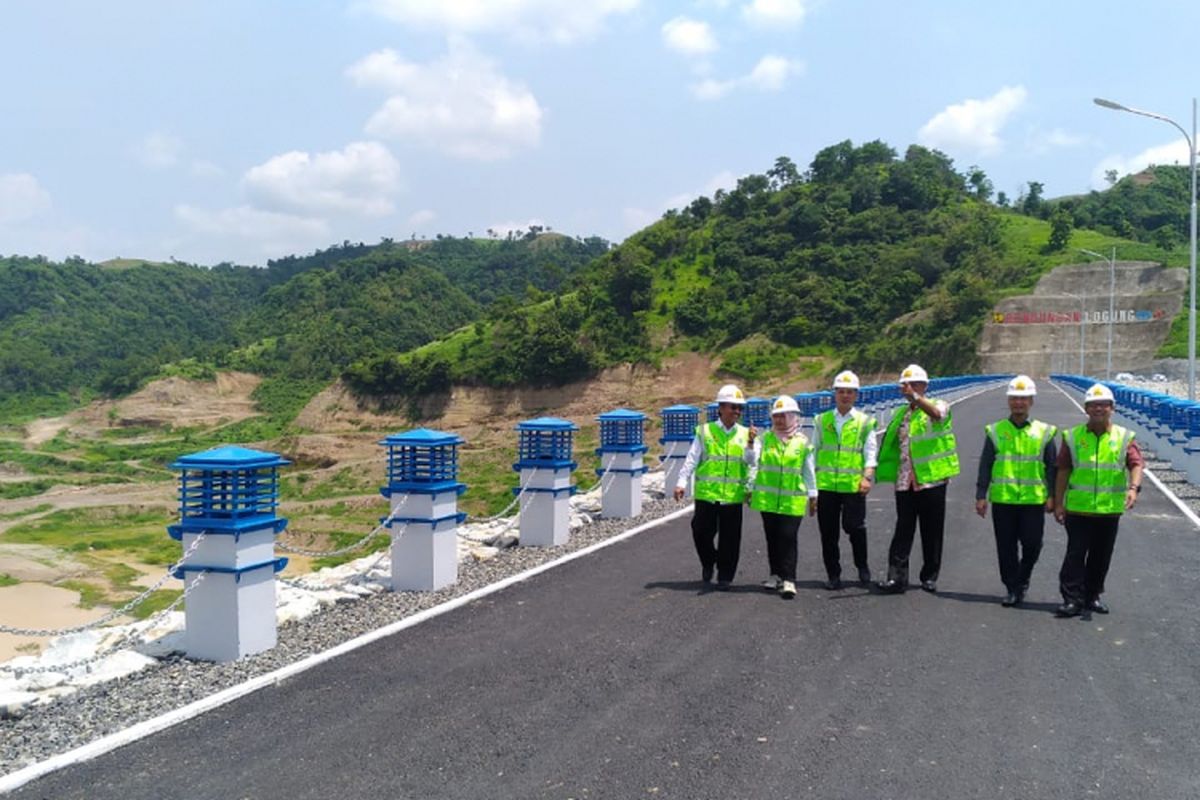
[871, 257]
[69, 330]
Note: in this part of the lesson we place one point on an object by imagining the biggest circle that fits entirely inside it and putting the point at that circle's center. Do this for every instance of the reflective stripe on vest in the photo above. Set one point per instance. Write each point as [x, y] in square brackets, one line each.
[840, 462]
[1018, 473]
[779, 484]
[1098, 482]
[932, 447]
[721, 473]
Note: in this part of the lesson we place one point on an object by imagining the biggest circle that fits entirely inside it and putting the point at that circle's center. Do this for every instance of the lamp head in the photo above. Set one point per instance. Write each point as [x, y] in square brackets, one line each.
[1100, 101]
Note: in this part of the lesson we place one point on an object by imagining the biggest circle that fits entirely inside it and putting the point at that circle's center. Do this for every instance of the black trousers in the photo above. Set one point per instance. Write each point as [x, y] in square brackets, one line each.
[781, 530]
[928, 507]
[717, 534]
[1090, 542]
[849, 511]
[1019, 531]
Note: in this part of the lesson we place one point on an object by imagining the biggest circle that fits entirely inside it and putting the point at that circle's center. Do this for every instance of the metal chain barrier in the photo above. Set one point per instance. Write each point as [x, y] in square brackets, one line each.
[117, 612]
[507, 508]
[300, 551]
[299, 583]
[119, 644]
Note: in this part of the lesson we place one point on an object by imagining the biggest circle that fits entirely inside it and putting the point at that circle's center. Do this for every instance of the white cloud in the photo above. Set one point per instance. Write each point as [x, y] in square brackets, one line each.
[1174, 152]
[689, 36]
[21, 198]
[206, 169]
[555, 20]
[973, 125]
[1042, 141]
[770, 74]
[502, 229]
[419, 219]
[266, 232]
[459, 104]
[159, 150]
[637, 218]
[361, 178]
[774, 13]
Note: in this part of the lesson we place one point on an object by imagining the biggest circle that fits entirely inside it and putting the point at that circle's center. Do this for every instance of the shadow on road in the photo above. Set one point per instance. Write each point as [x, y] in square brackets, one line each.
[994, 599]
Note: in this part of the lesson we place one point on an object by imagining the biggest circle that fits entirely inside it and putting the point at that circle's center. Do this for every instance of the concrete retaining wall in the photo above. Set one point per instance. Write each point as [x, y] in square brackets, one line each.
[1041, 333]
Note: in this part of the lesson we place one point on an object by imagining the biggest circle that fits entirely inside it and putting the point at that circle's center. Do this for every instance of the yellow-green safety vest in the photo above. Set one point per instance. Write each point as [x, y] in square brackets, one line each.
[931, 445]
[1098, 482]
[779, 483]
[840, 462]
[722, 471]
[1019, 473]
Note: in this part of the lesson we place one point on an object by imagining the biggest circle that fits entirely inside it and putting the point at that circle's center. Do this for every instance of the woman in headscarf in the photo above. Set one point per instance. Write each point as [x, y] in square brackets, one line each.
[783, 487]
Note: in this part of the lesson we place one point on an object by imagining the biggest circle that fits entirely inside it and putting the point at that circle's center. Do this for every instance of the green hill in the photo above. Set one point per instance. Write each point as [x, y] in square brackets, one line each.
[869, 257]
[72, 330]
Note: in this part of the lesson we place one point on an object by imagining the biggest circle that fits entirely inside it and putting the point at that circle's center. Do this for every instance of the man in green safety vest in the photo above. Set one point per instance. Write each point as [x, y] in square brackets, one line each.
[720, 458]
[844, 441]
[918, 453]
[1091, 492]
[1016, 472]
[784, 488]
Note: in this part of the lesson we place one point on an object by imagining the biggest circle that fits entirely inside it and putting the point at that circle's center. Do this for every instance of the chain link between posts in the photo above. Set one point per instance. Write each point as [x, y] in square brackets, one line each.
[300, 551]
[120, 644]
[116, 612]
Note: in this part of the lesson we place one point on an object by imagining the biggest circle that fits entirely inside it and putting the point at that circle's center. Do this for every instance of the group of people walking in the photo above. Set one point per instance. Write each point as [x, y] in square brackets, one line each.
[1086, 483]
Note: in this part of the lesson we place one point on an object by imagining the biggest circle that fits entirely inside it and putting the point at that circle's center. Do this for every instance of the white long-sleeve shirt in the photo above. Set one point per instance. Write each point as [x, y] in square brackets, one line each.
[696, 452]
[870, 449]
[807, 470]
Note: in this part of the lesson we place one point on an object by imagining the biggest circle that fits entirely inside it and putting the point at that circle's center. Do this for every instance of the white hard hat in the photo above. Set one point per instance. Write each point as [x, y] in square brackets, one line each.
[913, 374]
[846, 380]
[731, 394]
[1022, 386]
[783, 404]
[1098, 393]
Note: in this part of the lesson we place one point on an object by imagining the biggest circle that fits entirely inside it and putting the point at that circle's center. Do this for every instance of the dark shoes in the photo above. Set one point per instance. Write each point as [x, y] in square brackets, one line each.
[891, 586]
[706, 574]
[1068, 609]
[833, 584]
[1098, 606]
[1014, 597]
[929, 586]
[723, 586]
[864, 576]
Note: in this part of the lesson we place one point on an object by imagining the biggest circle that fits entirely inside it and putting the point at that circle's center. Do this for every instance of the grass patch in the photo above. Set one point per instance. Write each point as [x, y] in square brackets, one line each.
[12, 491]
[136, 536]
[7, 580]
[758, 358]
[38, 509]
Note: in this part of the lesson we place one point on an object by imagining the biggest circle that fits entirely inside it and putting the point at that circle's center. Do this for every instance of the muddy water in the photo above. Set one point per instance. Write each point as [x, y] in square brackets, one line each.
[38, 605]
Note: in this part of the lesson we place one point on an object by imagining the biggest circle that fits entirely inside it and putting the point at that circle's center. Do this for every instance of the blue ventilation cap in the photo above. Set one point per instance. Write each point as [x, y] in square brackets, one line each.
[547, 424]
[422, 437]
[229, 457]
[621, 415]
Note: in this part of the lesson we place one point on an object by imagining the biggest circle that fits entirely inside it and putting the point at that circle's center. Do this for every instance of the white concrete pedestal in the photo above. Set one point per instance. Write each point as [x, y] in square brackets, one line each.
[621, 485]
[674, 454]
[231, 613]
[545, 507]
[423, 551]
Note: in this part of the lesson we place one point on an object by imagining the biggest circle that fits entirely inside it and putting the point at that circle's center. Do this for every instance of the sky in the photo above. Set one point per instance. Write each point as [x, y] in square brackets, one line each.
[244, 130]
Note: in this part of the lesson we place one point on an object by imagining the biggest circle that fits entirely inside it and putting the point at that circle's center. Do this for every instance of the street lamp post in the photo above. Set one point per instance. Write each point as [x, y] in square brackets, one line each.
[1191, 143]
[1082, 322]
[1112, 294]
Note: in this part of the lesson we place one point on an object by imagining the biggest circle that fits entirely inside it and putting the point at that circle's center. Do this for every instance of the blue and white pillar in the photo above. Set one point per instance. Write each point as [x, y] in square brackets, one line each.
[544, 464]
[679, 429]
[423, 487]
[622, 445]
[228, 498]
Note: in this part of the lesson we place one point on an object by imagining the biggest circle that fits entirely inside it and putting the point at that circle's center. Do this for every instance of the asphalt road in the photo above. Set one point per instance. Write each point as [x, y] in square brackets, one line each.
[614, 676]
